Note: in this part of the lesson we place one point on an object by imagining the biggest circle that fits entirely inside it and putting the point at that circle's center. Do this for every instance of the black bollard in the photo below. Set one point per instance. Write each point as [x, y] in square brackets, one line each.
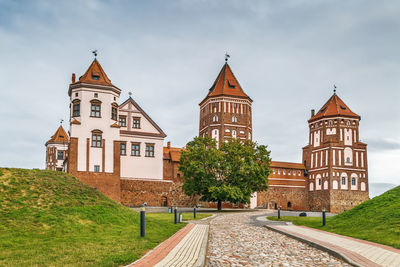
[142, 221]
[323, 217]
[194, 212]
[279, 212]
[176, 215]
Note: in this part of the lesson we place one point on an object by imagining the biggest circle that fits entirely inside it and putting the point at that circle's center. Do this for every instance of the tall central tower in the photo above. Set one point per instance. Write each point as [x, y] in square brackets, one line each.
[226, 110]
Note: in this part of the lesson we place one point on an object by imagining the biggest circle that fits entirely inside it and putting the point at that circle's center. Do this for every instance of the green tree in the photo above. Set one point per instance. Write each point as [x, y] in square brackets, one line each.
[231, 173]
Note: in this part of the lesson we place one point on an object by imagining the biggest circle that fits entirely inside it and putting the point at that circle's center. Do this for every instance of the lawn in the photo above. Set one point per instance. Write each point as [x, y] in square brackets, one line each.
[376, 220]
[51, 218]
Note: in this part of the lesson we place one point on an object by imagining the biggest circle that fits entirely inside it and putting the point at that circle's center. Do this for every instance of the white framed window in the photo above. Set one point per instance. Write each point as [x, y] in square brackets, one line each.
[234, 133]
[234, 119]
[215, 119]
[96, 168]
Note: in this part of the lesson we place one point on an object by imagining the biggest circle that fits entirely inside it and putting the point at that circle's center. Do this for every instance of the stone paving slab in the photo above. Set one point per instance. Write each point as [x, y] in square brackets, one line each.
[355, 251]
[187, 252]
[162, 250]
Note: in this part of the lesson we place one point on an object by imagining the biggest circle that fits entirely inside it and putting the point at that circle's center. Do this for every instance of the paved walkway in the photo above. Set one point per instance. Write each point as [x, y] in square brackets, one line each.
[357, 252]
[236, 240]
[187, 247]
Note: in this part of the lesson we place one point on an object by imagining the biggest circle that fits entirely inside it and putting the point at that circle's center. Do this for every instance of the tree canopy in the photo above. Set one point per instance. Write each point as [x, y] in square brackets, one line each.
[231, 173]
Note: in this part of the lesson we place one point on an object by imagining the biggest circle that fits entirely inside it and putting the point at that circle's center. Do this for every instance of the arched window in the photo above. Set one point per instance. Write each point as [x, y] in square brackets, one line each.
[289, 204]
[234, 133]
[330, 123]
[95, 109]
[114, 111]
[215, 119]
[76, 108]
[234, 119]
[96, 138]
[164, 201]
[353, 181]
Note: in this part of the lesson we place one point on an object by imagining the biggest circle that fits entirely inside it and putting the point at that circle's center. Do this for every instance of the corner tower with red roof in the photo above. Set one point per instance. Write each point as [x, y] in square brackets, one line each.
[226, 110]
[335, 158]
[57, 150]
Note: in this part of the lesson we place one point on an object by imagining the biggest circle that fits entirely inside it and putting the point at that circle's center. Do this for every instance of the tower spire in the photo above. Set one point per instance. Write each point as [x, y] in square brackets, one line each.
[227, 56]
[334, 89]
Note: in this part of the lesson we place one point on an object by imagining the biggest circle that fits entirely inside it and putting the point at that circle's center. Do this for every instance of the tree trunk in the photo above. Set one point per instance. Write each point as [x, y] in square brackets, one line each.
[219, 205]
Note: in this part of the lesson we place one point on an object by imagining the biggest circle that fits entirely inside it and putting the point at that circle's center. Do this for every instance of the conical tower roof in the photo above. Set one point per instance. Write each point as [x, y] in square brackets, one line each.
[226, 84]
[95, 75]
[60, 136]
[334, 107]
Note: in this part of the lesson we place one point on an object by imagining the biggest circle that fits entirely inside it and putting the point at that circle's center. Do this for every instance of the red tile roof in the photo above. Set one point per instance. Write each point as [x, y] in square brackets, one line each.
[95, 75]
[288, 165]
[60, 136]
[172, 153]
[334, 107]
[227, 84]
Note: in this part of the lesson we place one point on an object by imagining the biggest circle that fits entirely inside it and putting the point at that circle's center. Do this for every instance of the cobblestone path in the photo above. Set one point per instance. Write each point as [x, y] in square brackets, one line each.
[235, 241]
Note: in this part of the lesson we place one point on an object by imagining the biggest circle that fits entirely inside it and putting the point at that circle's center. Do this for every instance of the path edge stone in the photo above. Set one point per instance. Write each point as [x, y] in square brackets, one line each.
[316, 245]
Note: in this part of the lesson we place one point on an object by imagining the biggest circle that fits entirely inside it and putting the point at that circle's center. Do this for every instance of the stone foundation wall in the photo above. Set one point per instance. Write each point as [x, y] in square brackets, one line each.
[345, 200]
[275, 197]
[135, 192]
[319, 199]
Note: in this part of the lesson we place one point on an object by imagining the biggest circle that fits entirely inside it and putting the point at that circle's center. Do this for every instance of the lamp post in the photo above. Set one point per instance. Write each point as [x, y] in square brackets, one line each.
[176, 215]
[194, 212]
[142, 221]
[323, 217]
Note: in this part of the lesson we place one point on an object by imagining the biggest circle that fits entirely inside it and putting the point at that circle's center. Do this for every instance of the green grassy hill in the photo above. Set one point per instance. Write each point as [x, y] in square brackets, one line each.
[376, 220]
[51, 218]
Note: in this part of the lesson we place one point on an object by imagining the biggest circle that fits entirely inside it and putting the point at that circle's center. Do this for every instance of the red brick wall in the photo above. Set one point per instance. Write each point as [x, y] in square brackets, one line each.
[106, 183]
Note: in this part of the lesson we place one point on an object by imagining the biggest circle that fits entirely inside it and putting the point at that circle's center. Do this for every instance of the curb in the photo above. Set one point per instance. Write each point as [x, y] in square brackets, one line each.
[318, 246]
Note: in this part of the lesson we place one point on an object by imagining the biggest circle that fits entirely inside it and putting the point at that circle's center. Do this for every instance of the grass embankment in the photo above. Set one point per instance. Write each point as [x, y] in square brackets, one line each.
[51, 218]
[376, 220]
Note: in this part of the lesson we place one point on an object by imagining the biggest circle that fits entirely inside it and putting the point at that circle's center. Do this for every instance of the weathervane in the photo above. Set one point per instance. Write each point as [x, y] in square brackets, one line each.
[227, 56]
[334, 89]
[94, 53]
[61, 121]
[130, 94]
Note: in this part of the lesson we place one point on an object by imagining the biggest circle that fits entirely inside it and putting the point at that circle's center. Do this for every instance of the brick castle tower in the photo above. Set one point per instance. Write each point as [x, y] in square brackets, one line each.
[335, 158]
[226, 110]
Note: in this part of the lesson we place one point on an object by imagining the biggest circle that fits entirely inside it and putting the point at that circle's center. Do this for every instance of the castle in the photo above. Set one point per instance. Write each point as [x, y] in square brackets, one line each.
[119, 150]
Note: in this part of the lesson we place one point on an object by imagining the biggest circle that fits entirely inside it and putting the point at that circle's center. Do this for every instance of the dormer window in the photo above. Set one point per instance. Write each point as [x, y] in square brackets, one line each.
[231, 85]
[96, 75]
[343, 108]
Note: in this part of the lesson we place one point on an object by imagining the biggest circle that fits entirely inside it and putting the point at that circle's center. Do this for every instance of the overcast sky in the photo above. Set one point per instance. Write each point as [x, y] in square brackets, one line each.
[287, 55]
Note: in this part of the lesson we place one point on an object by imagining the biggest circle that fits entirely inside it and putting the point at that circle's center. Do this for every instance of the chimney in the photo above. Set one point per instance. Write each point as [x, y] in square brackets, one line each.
[312, 113]
[73, 77]
[169, 144]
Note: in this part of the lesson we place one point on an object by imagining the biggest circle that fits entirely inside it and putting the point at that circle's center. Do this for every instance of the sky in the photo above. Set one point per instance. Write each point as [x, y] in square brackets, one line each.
[287, 56]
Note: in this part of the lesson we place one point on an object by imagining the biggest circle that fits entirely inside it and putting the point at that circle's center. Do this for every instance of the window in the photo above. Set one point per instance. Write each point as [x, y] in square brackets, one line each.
[95, 109]
[123, 149]
[76, 108]
[348, 160]
[135, 149]
[319, 181]
[234, 133]
[284, 172]
[235, 105]
[353, 181]
[149, 150]
[60, 155]
[279, 171]
[299, 173]
[96, 95]
[122, 121]
[215, 119]
[96, 139]
[114, 111]
[289, 172]
[215, 105]
[96, 168]
[273, 171]
[76, 94]
[234, 119]
[136, 123]
[343, 180]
